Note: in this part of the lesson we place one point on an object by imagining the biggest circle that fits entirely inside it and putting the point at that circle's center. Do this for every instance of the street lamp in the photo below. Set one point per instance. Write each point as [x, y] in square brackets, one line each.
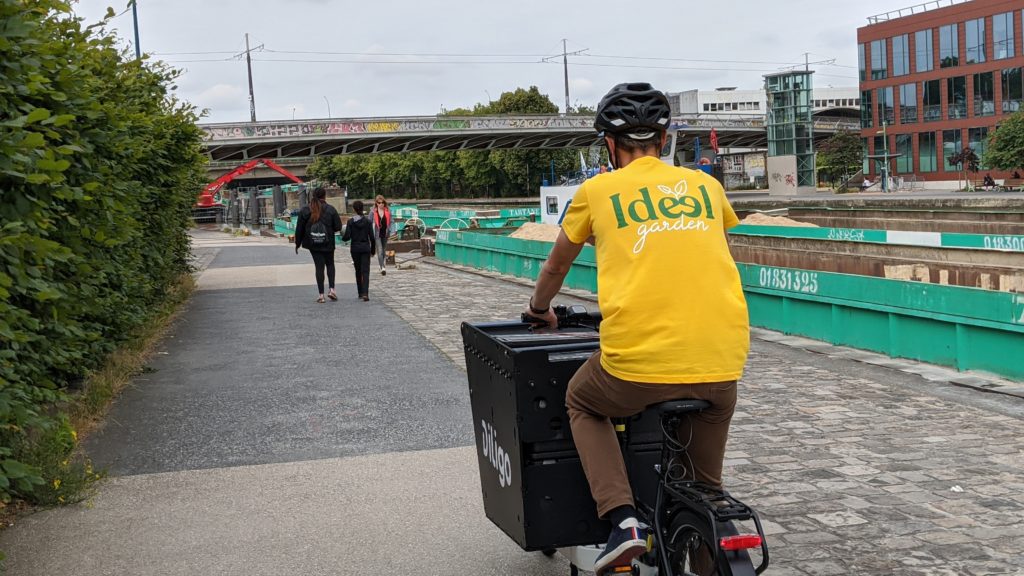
[885, 159]
[293, 112]
[328, 106]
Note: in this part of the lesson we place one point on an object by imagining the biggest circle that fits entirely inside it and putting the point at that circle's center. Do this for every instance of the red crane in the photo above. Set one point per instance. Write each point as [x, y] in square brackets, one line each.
[206, 197]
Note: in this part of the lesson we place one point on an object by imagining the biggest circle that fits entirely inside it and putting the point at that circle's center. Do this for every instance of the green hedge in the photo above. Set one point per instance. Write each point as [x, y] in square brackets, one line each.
[99, 168]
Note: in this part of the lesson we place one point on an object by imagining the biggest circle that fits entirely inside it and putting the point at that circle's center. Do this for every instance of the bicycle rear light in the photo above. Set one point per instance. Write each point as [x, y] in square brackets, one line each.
[740, 542]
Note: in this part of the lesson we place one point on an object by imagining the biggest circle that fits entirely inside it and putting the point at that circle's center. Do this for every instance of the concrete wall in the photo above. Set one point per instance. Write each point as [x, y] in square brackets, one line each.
[782, 177]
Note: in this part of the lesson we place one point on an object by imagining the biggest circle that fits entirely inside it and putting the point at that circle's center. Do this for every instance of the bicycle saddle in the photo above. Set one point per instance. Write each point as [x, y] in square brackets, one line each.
[679, 407]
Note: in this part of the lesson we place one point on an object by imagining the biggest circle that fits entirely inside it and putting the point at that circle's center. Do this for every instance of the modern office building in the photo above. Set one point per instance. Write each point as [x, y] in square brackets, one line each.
[935, 78]
[827, 101]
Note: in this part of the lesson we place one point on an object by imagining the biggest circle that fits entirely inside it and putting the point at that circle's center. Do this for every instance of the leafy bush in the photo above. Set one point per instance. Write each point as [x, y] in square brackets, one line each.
[99, 168]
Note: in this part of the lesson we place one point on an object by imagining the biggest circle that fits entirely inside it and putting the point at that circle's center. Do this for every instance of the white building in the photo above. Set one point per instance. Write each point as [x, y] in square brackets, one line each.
[729, 100]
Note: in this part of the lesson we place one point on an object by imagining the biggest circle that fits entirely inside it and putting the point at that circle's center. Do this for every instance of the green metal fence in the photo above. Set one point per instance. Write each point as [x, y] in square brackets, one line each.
[966, 328]
[1002, 242]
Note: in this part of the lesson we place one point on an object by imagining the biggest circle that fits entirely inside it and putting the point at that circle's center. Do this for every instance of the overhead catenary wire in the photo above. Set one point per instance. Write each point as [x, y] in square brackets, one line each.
[416, 54]
[486, 62]
[581, 58]
[539, 56]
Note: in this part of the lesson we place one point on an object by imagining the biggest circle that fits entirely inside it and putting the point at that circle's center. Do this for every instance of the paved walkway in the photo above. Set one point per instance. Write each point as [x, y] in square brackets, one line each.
[856, 468]
[281, 437]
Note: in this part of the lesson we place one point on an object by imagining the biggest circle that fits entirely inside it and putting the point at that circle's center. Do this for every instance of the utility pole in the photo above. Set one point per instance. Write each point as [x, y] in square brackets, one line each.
[565, 68]
[135, 19]
[248, 64]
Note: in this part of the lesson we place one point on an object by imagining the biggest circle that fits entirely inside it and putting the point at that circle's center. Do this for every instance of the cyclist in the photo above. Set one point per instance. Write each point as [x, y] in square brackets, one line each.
[675, 322]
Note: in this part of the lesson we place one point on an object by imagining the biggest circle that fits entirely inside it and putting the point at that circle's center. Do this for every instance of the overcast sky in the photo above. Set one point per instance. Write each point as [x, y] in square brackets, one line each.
[413, 57]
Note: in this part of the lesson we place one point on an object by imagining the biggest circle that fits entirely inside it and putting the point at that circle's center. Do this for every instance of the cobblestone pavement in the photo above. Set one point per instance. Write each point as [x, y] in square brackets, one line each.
[854, 468]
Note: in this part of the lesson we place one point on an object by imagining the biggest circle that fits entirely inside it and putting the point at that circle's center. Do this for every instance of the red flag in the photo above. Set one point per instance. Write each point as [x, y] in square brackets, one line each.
[714, 140]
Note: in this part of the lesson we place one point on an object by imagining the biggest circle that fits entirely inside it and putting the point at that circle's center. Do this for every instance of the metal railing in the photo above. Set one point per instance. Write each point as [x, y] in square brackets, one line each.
[910, 11]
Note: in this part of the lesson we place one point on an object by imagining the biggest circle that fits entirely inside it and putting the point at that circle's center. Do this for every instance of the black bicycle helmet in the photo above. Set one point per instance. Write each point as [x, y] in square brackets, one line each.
[635, 109]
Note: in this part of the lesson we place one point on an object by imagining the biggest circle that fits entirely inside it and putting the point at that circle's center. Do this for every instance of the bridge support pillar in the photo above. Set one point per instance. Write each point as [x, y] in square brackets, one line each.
[253, 213]
[279, 201]
[236, 213]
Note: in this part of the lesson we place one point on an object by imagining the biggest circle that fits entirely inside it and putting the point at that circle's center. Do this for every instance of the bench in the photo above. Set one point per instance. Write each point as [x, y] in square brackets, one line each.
[1010, 185]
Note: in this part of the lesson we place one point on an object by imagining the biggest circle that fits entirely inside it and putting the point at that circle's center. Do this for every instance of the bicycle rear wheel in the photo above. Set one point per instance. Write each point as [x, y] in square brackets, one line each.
[690, 545]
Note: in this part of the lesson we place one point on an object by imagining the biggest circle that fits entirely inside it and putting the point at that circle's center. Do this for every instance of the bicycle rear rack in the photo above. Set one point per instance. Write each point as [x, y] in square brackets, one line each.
[721, 504]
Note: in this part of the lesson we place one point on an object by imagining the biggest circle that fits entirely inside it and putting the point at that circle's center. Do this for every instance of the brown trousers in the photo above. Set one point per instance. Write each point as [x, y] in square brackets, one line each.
[594, 396]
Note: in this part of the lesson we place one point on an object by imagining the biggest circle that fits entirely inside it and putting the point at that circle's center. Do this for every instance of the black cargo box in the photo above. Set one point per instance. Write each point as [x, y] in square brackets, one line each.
[533, 484]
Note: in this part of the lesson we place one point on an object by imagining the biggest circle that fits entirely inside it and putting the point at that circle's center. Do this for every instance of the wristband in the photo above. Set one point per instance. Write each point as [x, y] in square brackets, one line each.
[538, 310]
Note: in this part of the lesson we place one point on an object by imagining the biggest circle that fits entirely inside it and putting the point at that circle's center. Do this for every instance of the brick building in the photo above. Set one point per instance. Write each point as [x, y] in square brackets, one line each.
[941, 76]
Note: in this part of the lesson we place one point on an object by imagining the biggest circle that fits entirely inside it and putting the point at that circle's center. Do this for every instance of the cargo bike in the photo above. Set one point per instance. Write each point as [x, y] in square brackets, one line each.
[533, 484]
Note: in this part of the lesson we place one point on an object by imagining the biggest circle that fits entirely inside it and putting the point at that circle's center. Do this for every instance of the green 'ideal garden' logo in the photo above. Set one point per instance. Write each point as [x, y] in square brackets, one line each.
[676, 210]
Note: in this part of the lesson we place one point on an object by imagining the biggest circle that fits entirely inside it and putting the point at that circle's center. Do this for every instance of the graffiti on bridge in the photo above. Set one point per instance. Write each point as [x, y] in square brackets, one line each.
[287, 129]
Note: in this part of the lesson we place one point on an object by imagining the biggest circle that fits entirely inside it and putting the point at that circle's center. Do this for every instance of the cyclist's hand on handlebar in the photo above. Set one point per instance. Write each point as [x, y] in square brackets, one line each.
[545, 320]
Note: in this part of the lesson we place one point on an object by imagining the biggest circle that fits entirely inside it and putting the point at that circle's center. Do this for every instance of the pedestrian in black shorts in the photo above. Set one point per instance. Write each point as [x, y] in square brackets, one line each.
[315, 230]
[359, 231]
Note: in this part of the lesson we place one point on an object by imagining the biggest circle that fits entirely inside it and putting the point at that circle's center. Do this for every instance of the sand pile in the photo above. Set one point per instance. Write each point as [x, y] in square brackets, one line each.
[757, 219]
[537, 231]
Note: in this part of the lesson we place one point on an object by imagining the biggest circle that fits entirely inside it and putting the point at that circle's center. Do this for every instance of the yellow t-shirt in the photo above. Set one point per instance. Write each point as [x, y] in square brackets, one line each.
[668, 288]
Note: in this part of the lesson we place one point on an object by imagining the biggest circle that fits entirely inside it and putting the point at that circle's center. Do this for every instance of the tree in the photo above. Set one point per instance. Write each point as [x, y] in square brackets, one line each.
[1005, 149]
[966, 160]
[519, 101]
[841, 155]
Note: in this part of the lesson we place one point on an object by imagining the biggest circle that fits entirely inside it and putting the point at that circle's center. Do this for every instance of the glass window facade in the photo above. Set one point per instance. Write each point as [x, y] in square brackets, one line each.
[866, 166]
[931, 100]
[956, 97]
[949, 46]
[886, 108]
[1002, 36]
[924, 51]
[901, 55]
[1013, 89]
[908, 103]
[977, 138]
[879, 62]
[860, 61]
[905, 149]
[926, 152]
[951, 145]
[984, 95]
[866, 120]
[974, 32]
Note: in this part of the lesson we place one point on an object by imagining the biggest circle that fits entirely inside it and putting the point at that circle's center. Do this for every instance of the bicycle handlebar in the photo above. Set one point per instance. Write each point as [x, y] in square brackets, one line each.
[572, 316]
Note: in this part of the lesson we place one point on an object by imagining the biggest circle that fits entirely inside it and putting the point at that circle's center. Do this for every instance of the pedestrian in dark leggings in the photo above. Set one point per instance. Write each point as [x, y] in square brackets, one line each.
[359, 232]
[314, 231]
